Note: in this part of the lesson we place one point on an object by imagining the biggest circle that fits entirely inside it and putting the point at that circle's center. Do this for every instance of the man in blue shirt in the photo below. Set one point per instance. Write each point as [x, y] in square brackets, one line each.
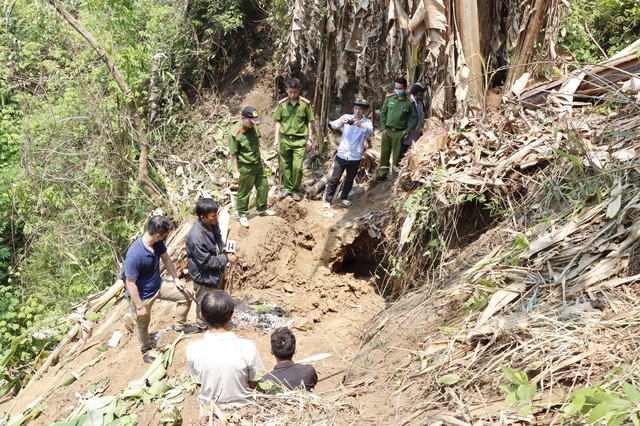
[355, 128]
[144, 284]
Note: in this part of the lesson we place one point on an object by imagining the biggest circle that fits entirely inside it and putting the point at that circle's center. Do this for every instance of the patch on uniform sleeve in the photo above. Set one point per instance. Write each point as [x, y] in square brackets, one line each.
[282, 100]
[235, 132]
[305, 100]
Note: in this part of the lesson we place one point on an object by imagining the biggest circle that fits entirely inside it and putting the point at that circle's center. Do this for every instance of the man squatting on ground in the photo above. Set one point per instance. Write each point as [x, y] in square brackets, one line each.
[355, 128]
[398, 118]
[286, 374]
[144, 284]
[206, 258]
[417, 96]
[227, 366]
[246, 163]
[293, 133]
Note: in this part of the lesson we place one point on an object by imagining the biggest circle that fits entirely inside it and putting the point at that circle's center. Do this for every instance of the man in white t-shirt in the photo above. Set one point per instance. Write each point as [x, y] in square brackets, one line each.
[228, 366]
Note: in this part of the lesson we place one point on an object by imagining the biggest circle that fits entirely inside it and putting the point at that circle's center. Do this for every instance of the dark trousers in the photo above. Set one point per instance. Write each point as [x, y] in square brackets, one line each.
[338, 168]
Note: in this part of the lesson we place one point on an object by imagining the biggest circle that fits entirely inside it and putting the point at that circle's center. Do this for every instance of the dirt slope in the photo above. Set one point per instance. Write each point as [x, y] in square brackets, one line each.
[286, 261]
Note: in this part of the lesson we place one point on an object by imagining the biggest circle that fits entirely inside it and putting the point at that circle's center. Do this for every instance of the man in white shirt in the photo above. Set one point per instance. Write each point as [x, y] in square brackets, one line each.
[228, 367]
[355, 129]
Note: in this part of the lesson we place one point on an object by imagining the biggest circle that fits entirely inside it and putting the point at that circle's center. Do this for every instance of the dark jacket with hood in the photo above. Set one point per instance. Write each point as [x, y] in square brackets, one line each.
[205, 259]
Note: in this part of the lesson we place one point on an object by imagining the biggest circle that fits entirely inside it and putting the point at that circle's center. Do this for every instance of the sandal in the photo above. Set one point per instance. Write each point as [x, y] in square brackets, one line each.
[346, 203]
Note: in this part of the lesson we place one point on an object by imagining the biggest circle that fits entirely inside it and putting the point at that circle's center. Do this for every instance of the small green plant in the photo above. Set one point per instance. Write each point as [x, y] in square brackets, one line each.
[479, 297]
[448, 379]
[520, 392]
[520, 244]
[395, 267]
[598, 403]
[263, 309]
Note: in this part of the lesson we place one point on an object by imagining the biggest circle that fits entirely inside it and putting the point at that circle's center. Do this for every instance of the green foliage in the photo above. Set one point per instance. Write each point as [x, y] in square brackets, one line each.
[597, 403]
[448, 379]
[613, 24]
[263, 309]
[69, 195]
[520, 392]
[19, 316]
[479, 297]
[279, 24]
[209, 44]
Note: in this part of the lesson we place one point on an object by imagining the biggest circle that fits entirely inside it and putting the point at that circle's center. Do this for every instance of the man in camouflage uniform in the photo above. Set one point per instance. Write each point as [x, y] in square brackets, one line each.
[398, 118]
[246, 163]
[293, 133]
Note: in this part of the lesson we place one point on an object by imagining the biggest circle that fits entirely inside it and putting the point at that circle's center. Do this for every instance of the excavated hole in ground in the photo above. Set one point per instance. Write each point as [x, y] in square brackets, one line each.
[361, 258]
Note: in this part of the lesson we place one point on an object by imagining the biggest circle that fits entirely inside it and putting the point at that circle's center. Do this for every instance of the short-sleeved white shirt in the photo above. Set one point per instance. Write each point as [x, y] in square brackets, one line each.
[225, 365]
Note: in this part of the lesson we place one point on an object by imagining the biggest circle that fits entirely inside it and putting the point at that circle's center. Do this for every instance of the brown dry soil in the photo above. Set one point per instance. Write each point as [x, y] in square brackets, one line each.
[287, 260]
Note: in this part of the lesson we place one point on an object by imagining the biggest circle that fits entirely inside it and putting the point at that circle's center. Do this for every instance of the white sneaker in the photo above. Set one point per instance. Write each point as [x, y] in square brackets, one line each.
[346, 203]
[266, 212]
[326, 206]
[244, 221]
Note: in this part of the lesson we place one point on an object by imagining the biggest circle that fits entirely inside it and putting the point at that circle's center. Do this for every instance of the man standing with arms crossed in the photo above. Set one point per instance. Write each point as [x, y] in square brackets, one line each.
[293, 134]
[246, 163]
[144, 284]
[398, 118]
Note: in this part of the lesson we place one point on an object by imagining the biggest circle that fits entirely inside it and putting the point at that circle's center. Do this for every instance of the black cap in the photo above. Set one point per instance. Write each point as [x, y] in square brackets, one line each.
[417, 88]
[252, 114]
[361, 103]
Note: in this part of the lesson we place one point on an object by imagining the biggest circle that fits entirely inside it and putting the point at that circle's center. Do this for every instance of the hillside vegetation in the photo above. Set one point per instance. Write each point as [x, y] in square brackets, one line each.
[506, 250]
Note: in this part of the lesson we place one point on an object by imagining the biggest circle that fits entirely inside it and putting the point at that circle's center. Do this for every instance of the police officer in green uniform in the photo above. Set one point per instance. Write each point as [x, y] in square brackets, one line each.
[398, 117]
[246, 163]
[294, 132]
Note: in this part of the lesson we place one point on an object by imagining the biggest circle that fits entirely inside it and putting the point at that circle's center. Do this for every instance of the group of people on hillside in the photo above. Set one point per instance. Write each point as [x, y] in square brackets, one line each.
[401, 121]
[229, 367]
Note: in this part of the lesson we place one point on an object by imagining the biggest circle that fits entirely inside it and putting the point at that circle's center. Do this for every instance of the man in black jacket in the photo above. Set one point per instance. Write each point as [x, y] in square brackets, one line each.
[206, 258]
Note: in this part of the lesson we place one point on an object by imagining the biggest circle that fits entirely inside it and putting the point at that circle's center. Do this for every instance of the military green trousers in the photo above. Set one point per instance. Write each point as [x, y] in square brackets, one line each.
[391, 144]
[291, 157]
[251, 175]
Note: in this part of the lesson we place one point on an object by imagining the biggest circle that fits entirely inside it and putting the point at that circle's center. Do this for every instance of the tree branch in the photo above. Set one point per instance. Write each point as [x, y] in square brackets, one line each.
[143, 164]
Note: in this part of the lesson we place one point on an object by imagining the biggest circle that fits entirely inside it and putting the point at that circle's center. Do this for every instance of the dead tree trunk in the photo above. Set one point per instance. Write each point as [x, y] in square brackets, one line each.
[466, 13]
[143, 165]
[526, 44]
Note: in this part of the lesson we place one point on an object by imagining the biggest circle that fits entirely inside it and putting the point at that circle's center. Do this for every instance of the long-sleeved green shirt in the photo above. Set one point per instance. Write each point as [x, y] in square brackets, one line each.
[399, 114]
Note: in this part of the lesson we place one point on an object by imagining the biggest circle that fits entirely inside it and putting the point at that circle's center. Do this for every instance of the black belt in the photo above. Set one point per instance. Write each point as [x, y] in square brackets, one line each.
[294, 136]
